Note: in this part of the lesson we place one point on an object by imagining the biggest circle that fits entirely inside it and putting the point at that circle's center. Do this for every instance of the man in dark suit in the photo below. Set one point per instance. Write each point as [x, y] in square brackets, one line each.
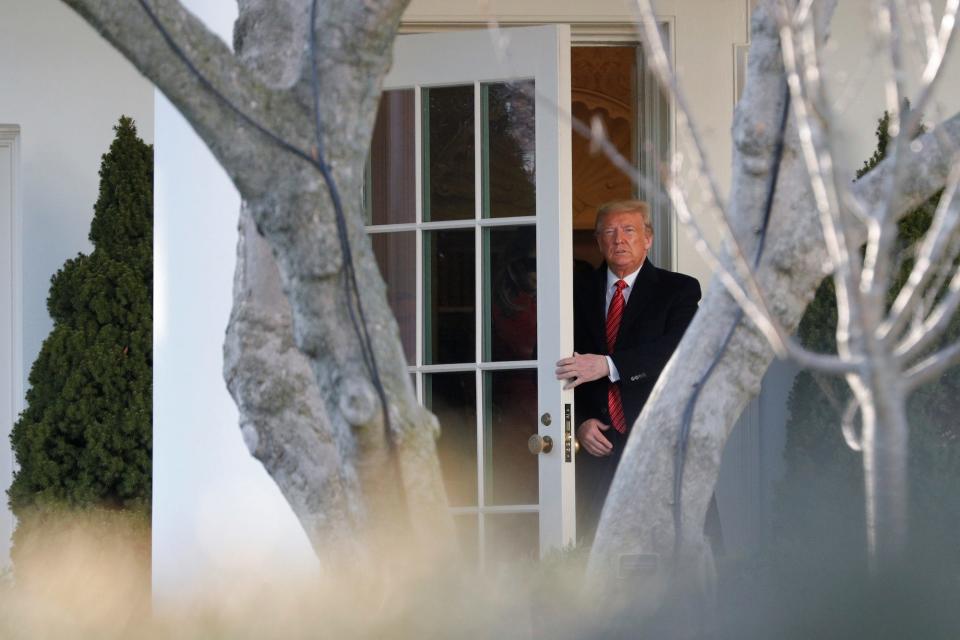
[629, 317]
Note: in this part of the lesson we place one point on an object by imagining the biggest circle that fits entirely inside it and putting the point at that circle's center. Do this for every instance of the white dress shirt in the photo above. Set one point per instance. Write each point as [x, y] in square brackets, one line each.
[612, 279]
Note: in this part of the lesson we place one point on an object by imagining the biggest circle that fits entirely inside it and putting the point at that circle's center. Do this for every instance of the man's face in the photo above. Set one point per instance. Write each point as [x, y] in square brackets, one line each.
[624, 241]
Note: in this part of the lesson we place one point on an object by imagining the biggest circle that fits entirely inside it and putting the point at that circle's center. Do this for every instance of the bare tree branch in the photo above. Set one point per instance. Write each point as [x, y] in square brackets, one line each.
[928, 162]
[935, 324]
[932, 72]
[812, 116]
[922, 14]
[939, 237]
[641, 522]
[933, 367]
[850, 436]
[126, 26]
[750, 296]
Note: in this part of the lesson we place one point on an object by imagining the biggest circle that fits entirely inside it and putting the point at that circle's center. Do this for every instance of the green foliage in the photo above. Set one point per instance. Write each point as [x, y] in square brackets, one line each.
[821, 497]
[883, 139]
[85, 437]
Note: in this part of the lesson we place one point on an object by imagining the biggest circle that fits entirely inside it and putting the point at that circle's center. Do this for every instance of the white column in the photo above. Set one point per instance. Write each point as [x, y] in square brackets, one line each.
[219, 521]
[11, 350]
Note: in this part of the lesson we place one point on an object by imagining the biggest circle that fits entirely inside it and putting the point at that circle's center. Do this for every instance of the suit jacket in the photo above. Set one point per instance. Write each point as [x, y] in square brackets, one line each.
[657, 314]
[658, 311]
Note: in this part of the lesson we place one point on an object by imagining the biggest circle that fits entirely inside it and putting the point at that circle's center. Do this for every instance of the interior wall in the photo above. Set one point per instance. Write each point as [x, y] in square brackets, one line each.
[65, 88]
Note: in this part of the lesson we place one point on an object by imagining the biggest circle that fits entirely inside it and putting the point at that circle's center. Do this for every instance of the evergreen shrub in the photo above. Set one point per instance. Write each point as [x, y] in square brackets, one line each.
[820, 510]
[84, 440]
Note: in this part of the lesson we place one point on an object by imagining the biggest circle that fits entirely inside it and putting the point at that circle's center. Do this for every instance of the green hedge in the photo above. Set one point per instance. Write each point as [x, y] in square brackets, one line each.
[820, 502]
[85, 438]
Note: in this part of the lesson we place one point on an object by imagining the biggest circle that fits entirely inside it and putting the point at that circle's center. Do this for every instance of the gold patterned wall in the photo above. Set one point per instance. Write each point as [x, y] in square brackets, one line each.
[603, 83]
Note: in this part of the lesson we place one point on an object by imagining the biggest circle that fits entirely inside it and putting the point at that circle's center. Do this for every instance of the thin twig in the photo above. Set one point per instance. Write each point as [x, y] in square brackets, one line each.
[765, 319]
[835, 236]
[934, 326]
[850, 436]
[932, 367]
[935, 243]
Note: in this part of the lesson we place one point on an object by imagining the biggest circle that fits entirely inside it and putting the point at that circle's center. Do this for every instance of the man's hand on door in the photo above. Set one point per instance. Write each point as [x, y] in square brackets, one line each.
[580, 368]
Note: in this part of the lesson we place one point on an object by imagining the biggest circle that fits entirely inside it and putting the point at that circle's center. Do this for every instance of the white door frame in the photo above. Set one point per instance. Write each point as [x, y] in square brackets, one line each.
[11, 305]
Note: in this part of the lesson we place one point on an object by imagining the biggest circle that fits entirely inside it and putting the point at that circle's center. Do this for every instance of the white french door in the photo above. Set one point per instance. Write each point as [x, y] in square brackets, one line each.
[469, 210]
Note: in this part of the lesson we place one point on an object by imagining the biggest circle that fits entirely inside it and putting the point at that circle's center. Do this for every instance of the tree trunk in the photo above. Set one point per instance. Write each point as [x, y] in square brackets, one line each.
[380, 493]
[884, 438]
[312, 417]
[637, 521]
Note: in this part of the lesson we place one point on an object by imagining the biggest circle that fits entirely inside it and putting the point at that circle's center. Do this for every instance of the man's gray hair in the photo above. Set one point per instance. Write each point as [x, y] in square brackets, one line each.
[625, 206]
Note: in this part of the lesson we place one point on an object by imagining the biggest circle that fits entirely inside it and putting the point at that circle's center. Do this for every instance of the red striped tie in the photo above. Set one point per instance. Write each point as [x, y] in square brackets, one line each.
[614, 315]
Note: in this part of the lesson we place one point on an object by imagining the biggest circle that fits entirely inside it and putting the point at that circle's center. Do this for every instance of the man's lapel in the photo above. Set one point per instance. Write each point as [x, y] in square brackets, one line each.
[598, 315]
[643, 287]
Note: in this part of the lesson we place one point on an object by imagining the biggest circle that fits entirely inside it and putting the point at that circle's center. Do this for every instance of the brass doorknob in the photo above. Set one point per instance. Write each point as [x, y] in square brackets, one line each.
[539, 444]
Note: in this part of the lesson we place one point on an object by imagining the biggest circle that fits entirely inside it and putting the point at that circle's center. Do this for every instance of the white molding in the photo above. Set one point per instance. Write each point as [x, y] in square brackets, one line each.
[740, 57]
[495, 509]
[740, 53]
[584, 29]
[467, 367]
[11, 350]
[446, 225]
[10, 138]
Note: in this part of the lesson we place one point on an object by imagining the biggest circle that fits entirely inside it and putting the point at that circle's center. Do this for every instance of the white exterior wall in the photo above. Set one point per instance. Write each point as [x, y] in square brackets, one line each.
[65, 88]
[219, 521]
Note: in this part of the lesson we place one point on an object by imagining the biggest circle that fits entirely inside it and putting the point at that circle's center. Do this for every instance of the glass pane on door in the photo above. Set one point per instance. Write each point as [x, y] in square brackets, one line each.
[510, 409]
[452, 397]
[391, 196]
[448, 153]
[511, 537]
[449, 309]
[509, 154]
[510, 293]
[395, 252]
[468, 535]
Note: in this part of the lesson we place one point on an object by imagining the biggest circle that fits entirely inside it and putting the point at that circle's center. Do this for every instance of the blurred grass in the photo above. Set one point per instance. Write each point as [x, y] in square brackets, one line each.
[86, 575]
